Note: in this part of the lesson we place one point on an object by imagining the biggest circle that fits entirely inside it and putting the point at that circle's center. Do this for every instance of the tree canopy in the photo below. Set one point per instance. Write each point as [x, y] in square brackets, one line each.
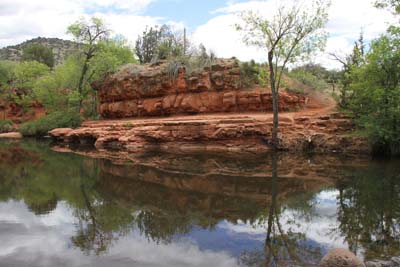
[293, 33]
[160, 43]
[39, 53]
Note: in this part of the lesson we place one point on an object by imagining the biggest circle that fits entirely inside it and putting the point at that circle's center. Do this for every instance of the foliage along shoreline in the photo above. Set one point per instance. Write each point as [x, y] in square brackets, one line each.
[367, 88]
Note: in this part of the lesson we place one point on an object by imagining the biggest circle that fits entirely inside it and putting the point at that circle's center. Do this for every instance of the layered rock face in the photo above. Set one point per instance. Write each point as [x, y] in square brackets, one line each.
[15, 112]
[164, 89]
[220, 133]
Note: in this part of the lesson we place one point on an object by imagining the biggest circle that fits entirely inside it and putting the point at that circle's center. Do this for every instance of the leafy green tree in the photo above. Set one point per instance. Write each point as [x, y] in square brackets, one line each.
[375, 91]
[393, 5]
[350, 63]
[39, 53]
[147, 44]
[27, 72]
[88, 34]
[291, 34]
[54, 89]
[7, 76]
[160, 43]
[110, 56]
[7, 72]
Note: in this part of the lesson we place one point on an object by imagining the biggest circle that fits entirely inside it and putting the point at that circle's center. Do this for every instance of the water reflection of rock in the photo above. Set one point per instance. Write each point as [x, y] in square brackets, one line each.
[164, 195]
[243, 175]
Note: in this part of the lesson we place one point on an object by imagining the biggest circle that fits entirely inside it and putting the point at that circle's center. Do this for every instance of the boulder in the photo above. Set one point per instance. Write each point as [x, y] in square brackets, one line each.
[13, 135]
[340, 257]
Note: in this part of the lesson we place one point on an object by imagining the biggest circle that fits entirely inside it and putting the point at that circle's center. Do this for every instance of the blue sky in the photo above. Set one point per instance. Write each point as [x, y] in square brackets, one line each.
[192, 12]
[210, 22]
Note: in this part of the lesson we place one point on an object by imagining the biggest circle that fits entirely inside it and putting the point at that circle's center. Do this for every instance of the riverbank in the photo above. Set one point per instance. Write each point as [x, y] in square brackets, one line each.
[322, 131]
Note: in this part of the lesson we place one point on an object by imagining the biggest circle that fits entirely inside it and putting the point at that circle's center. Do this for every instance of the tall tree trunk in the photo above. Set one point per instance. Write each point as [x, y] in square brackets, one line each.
[81, 79]
[274, 195]
[275, 101]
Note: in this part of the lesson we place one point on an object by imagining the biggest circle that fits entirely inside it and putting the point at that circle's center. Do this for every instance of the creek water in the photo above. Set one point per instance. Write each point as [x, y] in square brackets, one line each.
[93, 208]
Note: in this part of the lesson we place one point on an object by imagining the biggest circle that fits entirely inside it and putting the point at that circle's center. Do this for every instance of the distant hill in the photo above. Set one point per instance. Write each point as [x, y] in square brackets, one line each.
[61, 49]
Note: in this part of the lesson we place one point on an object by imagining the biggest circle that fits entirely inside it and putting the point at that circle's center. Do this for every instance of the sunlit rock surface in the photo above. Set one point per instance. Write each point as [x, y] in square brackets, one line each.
[297, 132]
[165, 89]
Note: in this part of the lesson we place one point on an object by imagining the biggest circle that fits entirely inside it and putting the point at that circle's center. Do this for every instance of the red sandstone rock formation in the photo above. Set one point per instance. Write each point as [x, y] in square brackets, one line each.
[250, 132]
[15, 112]
[149, 90]
[163, 89]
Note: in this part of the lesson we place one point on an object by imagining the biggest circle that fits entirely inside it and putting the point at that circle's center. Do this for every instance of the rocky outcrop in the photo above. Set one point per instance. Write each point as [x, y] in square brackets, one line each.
[12, 111]
[220, 133]
[224, 116]
[165, 89]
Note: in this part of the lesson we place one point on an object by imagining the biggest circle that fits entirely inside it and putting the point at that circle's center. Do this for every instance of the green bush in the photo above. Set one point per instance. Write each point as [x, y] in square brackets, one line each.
[6, 126]
[54, 120]
[249, 72]
[253, 73]
[309, 79]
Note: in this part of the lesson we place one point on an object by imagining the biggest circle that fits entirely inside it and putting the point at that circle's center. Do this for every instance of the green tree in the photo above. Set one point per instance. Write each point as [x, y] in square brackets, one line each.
[7, 72]
[27, 72]
[375, 91]
[39, 53]
[54, 89]
[160, 43]
[88, 34]
[393, 5]
[350, 63]
[291, 34]
[7, 76]
[147, 44]
[110, 56]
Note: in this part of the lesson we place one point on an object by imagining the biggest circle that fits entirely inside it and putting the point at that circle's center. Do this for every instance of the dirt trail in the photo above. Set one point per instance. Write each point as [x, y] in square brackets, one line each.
[317, 104]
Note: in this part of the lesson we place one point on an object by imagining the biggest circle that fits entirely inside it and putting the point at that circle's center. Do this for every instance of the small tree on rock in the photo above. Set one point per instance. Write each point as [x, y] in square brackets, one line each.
[293, 33]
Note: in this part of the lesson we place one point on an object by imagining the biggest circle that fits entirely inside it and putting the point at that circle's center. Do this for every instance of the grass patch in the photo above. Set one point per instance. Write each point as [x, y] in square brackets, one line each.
[6, 126]
[42, 126]
[128, 125]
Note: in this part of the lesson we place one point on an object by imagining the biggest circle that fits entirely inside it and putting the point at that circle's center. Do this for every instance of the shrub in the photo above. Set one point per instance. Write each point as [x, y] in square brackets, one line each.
[253, 73]
[6, 126]
[249, 72]
[54, 120]
[309, 79]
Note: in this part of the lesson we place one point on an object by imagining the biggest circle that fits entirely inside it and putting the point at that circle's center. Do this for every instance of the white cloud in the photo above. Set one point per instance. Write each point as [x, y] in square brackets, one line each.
[318, 229]
[25, 19]
[346, 19]
[220, 36]
[29, 240]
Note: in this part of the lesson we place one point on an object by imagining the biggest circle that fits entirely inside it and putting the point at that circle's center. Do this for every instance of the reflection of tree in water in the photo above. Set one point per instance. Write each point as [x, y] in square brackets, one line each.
[43, 207]
[369, 210]
[282, 247]
[100, 221]
[108, 207]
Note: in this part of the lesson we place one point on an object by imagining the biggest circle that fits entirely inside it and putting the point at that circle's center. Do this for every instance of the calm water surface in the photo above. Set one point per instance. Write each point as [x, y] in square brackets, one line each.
[154, 209]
